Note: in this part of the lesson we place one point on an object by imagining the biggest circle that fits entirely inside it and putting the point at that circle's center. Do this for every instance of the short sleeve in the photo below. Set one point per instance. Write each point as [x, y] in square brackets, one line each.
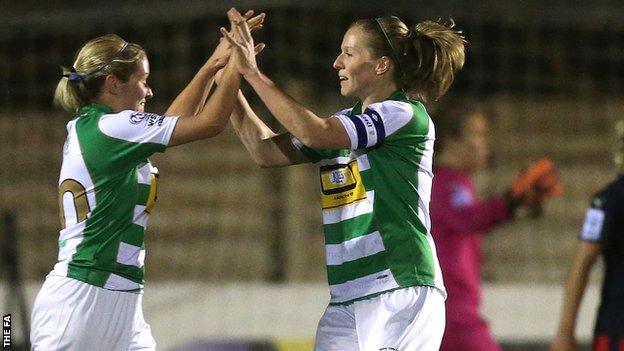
[134, 136]
[138, 127]
[596, 224]
[376, 123]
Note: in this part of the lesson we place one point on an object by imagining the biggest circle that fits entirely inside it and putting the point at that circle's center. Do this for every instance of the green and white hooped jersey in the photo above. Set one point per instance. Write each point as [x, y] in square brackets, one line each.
[107, 188]
[375, 198]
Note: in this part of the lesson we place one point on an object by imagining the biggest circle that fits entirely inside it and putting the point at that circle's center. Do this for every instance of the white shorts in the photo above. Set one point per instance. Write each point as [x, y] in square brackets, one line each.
[71, 315]
[407, 319]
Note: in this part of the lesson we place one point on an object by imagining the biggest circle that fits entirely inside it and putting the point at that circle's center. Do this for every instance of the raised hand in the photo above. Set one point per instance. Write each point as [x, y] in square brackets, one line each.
[221, 53]
[242, 44]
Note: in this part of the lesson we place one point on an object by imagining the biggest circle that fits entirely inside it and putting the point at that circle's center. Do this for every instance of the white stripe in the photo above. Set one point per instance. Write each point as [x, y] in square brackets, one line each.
[116, 282]
[438, 280]
[69, 239]
[350, 250]
[370, 284]
[74, 167]
[349, 127]
[339, 214]
[130, 255]
[140, 216]
[363, 163]
[144, 174]
[69, 210]
[370, 195]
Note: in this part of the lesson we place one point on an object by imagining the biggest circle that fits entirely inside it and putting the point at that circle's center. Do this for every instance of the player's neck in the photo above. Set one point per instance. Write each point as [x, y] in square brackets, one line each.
[381, 92]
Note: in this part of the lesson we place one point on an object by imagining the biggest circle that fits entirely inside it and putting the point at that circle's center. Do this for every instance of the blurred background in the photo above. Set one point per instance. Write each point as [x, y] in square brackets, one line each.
[236, 252]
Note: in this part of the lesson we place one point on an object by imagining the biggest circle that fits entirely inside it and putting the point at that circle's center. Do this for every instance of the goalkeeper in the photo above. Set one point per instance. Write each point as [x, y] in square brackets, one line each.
[460, 220]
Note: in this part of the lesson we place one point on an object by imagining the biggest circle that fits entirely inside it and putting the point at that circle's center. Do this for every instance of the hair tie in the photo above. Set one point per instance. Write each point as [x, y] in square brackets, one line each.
[411, 33]
[73, 76]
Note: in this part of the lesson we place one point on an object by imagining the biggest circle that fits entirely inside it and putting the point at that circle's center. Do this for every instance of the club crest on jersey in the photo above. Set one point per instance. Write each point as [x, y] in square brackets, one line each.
[137, 117]
[337, 176]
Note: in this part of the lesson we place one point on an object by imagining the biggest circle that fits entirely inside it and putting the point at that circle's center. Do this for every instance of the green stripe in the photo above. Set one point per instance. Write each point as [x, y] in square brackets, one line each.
[337, 233]
[130, 272]
[357, 268]
[367, 179]
[87, 274]
[134, 235]
[143, 191]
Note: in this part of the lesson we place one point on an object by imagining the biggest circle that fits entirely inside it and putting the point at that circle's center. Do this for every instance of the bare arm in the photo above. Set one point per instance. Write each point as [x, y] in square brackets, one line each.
[309, 128]
[213, 117]
[202, 118]
[576, 283]
[191, 100]
[266, 148]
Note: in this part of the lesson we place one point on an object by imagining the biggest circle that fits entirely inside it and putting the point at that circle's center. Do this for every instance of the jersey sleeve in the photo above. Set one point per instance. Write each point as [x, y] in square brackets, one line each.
[597, 223]
[138, 127]
[140, 134]
[376, 123]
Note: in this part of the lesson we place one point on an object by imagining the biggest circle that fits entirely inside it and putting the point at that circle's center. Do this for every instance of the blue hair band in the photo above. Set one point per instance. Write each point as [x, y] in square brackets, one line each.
[75, 77]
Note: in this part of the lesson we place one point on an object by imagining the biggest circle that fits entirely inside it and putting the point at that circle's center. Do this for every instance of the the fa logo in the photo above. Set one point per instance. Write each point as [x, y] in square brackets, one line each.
[337, 176]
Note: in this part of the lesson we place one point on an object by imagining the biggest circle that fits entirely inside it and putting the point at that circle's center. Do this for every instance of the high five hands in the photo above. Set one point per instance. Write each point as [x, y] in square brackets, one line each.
[221, 54]
[243, 49]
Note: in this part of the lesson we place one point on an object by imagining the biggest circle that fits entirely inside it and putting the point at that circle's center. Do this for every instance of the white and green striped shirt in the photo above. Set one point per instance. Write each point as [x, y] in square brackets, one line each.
[107, 188]
[375, 198]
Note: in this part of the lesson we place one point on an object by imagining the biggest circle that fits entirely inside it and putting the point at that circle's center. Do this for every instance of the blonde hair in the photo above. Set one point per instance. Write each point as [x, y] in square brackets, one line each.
[99, 57]
[426, 57]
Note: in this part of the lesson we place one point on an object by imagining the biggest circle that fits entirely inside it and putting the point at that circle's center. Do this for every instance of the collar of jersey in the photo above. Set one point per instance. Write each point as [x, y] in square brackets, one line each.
[397, 95]
[94, 109]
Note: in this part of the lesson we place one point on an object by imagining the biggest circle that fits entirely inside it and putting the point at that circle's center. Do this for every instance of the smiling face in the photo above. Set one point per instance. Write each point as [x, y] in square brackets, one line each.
[356, 65]
[136, 91]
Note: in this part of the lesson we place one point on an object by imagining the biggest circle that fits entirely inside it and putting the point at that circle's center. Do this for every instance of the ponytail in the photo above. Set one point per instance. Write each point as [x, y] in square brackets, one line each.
[425, 57]
[437, 52]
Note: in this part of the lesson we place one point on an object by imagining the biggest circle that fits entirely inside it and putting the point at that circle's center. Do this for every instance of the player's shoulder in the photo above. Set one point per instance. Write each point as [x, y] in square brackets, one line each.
[610, 195]
[128, 124]
[393, 107]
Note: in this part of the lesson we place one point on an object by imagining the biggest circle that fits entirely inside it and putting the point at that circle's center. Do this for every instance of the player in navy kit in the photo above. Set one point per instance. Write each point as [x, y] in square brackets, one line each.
[602, 234]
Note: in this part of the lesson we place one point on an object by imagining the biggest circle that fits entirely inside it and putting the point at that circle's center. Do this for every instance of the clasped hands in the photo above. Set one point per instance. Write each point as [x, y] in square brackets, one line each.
[238, 44]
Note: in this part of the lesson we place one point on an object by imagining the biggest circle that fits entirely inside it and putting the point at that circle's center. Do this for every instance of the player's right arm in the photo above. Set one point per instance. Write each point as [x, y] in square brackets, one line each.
[576, 283]
[267, 148]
